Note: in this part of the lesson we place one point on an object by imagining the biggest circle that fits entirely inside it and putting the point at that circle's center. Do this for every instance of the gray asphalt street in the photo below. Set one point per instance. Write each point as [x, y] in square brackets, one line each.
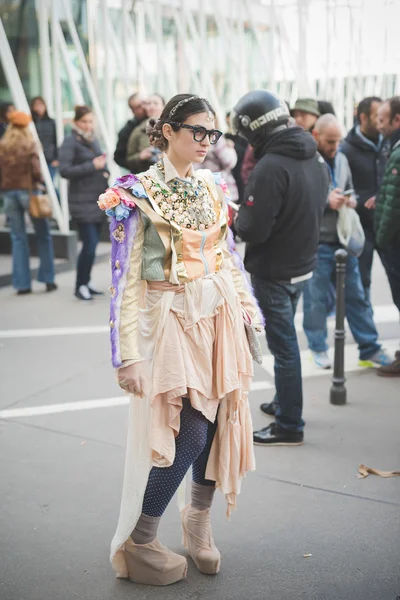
[62, 438]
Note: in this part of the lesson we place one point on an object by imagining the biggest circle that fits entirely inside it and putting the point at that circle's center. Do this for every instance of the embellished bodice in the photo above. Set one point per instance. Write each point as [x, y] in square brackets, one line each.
[164, 229]
[184, 222]
[185, 202]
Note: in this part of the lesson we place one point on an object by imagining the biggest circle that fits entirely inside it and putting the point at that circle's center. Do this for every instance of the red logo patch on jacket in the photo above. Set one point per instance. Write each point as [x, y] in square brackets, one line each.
[250, 201]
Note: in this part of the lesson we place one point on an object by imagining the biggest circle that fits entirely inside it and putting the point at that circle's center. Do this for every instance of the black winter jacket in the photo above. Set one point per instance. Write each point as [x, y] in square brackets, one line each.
[122, 143]
[46, 130]
[367, 164]
[85, 183]
[283, 204]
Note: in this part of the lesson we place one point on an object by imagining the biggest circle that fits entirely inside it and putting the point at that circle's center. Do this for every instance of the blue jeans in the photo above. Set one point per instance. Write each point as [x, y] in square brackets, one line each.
[358, 310]
[16, 203]
[89, 234]
[278, 301]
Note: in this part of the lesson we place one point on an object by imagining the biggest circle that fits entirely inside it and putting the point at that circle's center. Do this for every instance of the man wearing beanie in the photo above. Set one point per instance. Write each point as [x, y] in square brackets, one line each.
[306, 112]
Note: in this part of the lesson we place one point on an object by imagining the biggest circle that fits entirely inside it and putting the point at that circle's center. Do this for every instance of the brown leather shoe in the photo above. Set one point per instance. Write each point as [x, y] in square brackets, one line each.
[392, 370]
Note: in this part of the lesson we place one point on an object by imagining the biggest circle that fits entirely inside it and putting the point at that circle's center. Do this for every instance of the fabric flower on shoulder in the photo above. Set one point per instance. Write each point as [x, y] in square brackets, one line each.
[115, 204]
[132, 183]
[126, 181]
[110, 199]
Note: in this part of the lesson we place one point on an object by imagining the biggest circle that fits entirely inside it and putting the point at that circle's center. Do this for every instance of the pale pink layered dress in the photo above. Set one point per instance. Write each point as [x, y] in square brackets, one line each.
[193, 344]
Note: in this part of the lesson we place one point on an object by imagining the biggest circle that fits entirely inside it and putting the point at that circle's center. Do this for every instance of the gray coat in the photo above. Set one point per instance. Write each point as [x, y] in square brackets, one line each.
[339, 177]
[85, 183]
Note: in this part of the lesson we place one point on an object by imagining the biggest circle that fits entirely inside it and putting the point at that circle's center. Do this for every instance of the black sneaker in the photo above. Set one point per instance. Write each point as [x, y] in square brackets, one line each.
[94, 291]
[273, 435]
[24, 292]
[82, 293]
[51, 287]
[268, 409]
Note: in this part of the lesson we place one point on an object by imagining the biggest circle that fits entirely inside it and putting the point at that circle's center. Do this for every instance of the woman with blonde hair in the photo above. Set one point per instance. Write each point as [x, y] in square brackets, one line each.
[19, 174]
[180, 309]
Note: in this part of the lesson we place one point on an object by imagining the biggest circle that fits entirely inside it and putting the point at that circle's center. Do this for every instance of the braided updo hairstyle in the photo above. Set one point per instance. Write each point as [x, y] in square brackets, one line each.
[193, 106]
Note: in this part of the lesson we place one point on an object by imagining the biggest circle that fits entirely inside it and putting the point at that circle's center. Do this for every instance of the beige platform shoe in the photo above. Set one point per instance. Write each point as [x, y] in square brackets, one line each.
[154, 564]
[198, 540]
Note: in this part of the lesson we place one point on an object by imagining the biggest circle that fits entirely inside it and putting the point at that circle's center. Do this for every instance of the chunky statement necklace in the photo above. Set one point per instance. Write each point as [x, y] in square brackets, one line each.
[185, 202]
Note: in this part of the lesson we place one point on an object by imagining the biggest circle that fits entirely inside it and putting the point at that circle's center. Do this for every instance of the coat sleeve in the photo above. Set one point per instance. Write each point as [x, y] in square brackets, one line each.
[262, 203]
[126, 263]
[35, 164]
[68, 169]
[243, 288]
[387, 214]
[122, 144]
[233, 261]
[134, 163]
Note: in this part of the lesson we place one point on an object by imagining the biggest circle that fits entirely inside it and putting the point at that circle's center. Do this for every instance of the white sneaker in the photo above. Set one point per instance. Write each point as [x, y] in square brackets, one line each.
[321, 360]
[83, 293]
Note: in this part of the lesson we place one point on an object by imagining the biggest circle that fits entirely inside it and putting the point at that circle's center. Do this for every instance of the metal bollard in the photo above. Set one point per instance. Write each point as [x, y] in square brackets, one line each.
[338, 389]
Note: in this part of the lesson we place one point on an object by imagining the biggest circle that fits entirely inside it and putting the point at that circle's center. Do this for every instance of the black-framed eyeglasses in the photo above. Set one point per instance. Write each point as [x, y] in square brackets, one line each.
[199, 132]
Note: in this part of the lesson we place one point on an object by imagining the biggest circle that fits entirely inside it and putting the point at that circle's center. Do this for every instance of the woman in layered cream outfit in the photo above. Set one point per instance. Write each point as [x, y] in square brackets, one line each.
[180, 301]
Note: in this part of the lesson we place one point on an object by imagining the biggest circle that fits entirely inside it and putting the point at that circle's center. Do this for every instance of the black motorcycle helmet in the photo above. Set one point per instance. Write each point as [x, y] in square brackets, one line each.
[258, 115]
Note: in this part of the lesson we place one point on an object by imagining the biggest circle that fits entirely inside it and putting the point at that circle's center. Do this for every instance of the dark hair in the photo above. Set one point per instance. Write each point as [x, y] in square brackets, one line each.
[81, 111]
[325, 107]
[364, 107]
[191, 107]
[31, 104]
[394, 104]
[4, 108]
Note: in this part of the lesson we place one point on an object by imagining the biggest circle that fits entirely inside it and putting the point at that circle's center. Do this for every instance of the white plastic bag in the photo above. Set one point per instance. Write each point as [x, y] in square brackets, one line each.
[350, 232]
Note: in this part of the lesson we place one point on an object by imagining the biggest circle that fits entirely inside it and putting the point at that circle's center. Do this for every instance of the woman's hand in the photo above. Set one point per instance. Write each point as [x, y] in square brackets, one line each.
[132, 379]
[99, 162]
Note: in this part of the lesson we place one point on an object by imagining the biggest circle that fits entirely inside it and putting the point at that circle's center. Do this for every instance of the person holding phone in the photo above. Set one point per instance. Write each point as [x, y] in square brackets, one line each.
[83, 163]
[328, 135]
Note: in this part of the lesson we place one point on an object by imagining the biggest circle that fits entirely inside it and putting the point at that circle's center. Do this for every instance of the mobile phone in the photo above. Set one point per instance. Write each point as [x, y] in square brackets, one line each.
[348, 193]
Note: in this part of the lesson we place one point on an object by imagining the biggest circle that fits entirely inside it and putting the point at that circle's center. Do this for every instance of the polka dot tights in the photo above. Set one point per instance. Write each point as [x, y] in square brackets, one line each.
[193, 445]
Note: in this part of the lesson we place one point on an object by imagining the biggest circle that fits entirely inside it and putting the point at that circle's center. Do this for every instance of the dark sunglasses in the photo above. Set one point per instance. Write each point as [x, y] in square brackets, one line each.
[199, 133]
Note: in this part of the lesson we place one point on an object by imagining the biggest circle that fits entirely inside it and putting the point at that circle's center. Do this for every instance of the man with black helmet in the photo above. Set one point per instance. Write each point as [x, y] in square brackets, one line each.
[280, 221]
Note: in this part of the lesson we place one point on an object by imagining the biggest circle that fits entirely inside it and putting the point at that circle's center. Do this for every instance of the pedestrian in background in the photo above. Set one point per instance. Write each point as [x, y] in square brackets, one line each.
[135, 103]
[387, 215]
[328, 135]
[83, 163]
[140, 155]
[19, 174]
[280, 220]
[363, 148]
[46, 130]
[306, 112]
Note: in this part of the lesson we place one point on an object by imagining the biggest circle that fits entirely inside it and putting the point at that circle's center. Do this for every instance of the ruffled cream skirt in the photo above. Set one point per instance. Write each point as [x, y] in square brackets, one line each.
[194, 345]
